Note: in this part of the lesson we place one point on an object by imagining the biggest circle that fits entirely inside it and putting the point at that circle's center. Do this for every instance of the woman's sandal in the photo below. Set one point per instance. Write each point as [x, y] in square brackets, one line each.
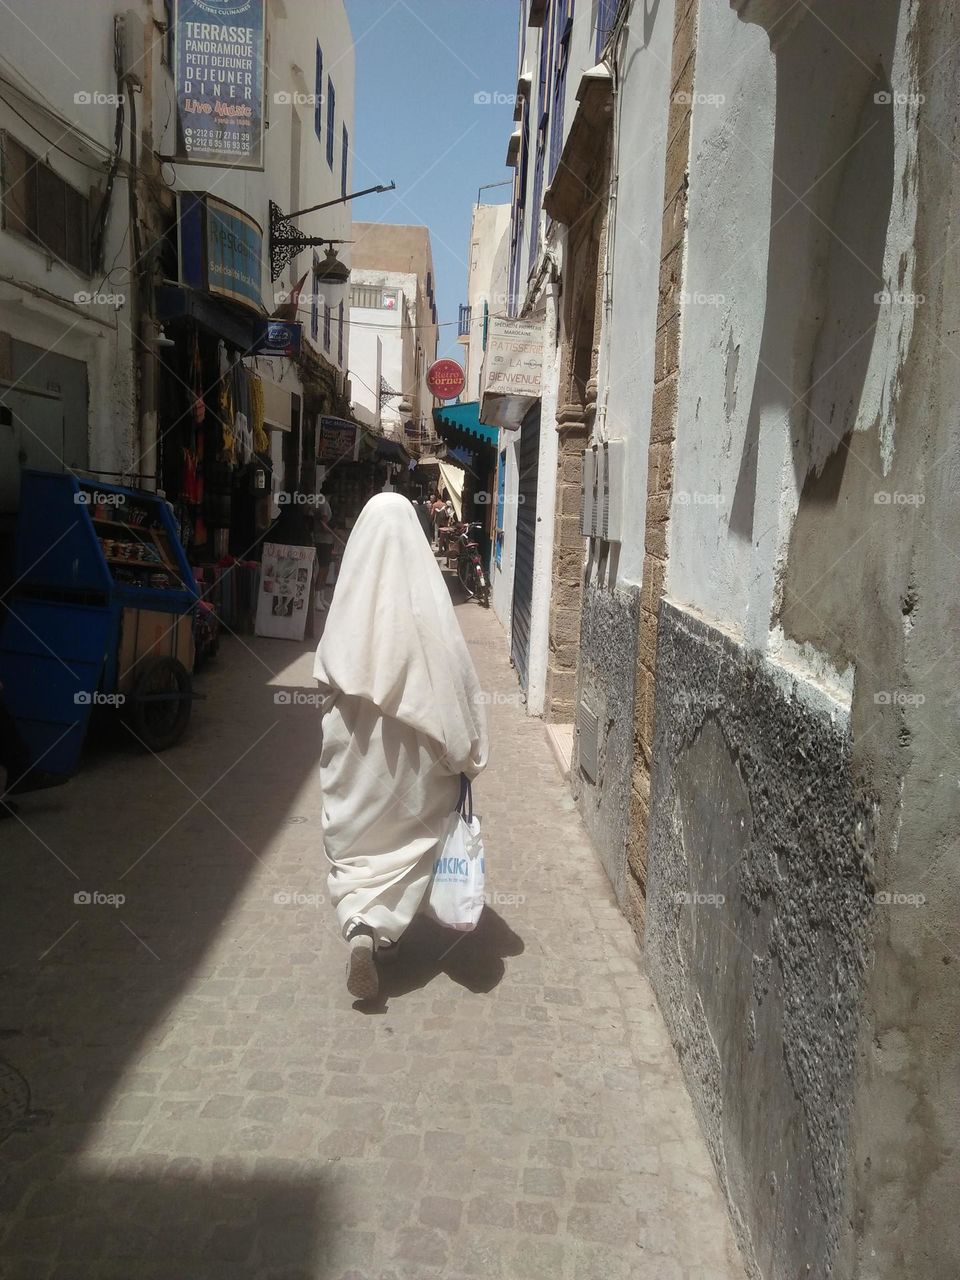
[362, 980]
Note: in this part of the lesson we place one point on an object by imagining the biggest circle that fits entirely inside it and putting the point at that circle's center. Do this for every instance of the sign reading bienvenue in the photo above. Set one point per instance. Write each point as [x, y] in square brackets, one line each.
[220, 82]
[510, 381]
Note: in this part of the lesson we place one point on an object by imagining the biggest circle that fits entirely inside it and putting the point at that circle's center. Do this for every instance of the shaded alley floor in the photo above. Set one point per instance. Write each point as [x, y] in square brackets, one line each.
[188, 1091]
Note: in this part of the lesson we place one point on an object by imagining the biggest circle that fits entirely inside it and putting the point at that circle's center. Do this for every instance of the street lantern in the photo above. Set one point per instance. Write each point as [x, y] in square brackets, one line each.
[331, 270]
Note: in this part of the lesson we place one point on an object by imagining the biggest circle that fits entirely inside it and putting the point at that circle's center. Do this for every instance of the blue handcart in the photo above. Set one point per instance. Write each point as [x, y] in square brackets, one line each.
[100, 614]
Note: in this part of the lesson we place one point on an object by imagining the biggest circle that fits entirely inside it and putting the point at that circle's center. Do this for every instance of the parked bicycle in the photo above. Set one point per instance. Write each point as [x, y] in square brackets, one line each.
[470, 570]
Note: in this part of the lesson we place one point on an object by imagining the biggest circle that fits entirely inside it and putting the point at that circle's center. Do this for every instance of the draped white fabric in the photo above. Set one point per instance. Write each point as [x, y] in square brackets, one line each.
[403, 719]
[393, 638]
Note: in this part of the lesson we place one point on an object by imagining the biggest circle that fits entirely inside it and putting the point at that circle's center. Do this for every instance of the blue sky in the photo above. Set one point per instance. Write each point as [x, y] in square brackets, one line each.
[420, 64]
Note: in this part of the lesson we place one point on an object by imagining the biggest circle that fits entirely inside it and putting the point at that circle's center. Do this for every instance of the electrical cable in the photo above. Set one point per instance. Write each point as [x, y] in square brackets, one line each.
[49, 141]
[98, 233]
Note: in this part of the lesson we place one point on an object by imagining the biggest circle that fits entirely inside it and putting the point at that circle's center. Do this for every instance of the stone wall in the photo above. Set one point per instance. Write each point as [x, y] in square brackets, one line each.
[577, 402]
[660, 454]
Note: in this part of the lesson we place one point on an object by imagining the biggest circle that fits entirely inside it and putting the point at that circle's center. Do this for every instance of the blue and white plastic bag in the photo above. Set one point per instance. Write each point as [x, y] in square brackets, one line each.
[457, 887]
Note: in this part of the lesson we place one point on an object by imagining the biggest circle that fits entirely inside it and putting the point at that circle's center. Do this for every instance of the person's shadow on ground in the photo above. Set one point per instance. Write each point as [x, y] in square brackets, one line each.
[472, 960]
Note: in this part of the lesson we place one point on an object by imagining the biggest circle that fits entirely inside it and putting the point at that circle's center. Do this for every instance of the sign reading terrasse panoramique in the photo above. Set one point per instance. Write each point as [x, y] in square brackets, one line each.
[220, 79]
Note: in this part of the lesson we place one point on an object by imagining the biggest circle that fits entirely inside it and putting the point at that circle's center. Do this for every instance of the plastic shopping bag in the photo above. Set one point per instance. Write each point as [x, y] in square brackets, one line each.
[456, 890]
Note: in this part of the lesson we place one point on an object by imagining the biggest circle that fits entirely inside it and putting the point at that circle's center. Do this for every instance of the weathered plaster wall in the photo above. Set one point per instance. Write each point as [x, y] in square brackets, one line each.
[758, 907]
[721, 301]
[818, 418]
[886, 598]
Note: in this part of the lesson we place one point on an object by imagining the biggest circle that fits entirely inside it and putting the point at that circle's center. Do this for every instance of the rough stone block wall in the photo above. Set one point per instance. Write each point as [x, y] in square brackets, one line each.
[660, 453]
[565, 604]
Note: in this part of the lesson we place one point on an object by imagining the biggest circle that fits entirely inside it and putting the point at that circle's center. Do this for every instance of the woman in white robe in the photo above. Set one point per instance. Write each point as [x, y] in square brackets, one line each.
[403, 721]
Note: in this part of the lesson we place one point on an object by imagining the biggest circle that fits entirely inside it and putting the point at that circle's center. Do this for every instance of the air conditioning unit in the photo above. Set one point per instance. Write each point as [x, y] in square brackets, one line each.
[589, 492]
[610, 483]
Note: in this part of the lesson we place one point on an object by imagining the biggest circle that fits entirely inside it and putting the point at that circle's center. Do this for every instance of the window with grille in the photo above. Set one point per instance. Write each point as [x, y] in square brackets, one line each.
[331, 119]
[340, 333]
[327, 325]
[319, 92]
[606, 13]
[563, 25]
[344, 161]
[39, 205]
[314, 303]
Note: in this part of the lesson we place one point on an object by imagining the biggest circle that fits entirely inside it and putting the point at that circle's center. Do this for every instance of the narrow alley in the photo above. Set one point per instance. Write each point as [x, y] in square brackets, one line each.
[189, 1091]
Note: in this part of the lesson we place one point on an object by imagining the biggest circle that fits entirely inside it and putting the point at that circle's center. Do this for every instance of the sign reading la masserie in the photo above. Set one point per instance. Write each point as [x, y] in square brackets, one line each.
[220, 82]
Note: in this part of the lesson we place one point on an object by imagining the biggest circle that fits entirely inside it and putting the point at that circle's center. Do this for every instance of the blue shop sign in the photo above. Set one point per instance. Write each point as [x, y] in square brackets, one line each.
[234, 253]
[221, 249]
[277, 338]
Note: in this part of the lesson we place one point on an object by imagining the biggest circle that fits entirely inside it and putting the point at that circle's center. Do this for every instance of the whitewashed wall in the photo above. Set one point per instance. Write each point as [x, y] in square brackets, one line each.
[44, 65]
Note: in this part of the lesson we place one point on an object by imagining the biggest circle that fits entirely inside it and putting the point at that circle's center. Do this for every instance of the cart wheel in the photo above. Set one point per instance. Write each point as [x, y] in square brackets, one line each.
[159, 704]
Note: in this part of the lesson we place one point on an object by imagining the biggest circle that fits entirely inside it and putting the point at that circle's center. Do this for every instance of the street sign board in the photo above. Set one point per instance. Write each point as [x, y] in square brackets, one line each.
[220, 82]
[336, 440]
[278, 338]
[510, 379]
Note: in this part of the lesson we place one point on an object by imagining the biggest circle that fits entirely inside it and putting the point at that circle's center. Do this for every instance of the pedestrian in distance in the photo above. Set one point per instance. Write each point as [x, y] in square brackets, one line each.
[422, 508]
[403, 724]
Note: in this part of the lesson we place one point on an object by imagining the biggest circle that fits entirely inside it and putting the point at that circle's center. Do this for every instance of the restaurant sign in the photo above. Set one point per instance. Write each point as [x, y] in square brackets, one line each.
[220, 82]
[221, 249]
[336, 440]
[510, 379]
[445, 379]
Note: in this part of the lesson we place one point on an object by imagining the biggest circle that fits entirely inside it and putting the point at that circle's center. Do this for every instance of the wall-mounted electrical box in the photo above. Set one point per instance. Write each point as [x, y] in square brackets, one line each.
[601, 492]
[610, 491]
[588, 493]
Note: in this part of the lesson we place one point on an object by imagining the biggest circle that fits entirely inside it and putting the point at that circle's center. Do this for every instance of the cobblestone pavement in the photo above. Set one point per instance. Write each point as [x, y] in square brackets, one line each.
[188, 1091]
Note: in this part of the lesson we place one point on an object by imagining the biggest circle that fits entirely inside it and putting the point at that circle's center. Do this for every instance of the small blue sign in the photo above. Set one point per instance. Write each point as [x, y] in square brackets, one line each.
[278, 338]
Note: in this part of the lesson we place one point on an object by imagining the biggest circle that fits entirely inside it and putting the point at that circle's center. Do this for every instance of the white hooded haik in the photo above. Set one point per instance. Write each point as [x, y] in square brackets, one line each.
[403, 718]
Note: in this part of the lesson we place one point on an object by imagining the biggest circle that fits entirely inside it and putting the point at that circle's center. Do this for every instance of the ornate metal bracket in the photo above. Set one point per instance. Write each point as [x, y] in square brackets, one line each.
[287, 241]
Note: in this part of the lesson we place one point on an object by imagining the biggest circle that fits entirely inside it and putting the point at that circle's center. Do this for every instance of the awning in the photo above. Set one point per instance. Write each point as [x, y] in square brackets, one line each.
[460, 425]
[384, 447]
[453, 478]
[277, 406]
[175, 302]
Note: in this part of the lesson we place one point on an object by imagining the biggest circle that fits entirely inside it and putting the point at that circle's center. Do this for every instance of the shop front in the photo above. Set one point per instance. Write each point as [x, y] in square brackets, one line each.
[229, 397]
[473, 445]
[352, 465]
